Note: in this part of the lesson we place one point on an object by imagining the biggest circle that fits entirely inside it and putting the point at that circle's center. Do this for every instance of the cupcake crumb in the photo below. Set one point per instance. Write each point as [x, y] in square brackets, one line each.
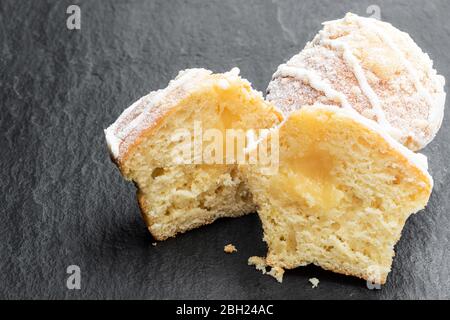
[314, 282]
[229, 248]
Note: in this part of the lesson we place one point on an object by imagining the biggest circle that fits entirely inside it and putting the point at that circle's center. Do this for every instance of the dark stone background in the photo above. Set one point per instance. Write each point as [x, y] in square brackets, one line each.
[62, 200]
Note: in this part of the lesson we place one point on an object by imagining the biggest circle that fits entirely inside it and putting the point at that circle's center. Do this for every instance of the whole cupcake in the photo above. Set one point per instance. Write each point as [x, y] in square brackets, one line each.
[371, 67]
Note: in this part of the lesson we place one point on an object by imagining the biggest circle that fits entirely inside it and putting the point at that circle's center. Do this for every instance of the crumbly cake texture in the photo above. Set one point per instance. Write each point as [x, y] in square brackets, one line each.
[261, 265]
[371, 67]
[314, 282]
[176, 197]
[341, 196]
[229, 248]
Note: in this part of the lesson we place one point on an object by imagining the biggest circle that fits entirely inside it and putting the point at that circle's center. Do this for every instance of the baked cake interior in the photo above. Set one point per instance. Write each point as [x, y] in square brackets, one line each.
[177, 197]
[340, 198]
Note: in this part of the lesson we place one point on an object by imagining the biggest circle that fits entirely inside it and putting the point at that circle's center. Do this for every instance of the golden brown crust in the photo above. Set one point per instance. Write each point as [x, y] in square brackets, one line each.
[146, 218]
[346, 272]
[160, 236]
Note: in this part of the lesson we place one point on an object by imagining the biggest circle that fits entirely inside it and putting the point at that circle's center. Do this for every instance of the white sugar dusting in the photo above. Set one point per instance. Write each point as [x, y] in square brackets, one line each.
[411, 117]
[314, 81]
[146, 111]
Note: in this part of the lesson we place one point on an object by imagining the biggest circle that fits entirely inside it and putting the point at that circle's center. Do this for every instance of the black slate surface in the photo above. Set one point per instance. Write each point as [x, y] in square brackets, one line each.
[64, 203]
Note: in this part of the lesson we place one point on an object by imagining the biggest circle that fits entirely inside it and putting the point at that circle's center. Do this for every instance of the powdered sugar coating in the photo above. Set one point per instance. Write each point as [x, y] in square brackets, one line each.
[145, 112]
[382, 73]
[148, 110]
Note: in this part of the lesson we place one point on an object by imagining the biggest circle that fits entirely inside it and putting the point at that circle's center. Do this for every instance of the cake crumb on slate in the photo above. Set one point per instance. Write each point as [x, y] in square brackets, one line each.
[314, 282]
[229, 248]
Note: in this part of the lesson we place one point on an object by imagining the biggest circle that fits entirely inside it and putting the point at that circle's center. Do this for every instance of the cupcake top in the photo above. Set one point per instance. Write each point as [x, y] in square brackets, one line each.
[370, 67]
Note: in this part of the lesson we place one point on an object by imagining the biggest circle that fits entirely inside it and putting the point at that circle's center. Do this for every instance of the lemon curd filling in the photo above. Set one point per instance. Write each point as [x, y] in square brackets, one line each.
[314, 173]
[309, 178]
[307, 175]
